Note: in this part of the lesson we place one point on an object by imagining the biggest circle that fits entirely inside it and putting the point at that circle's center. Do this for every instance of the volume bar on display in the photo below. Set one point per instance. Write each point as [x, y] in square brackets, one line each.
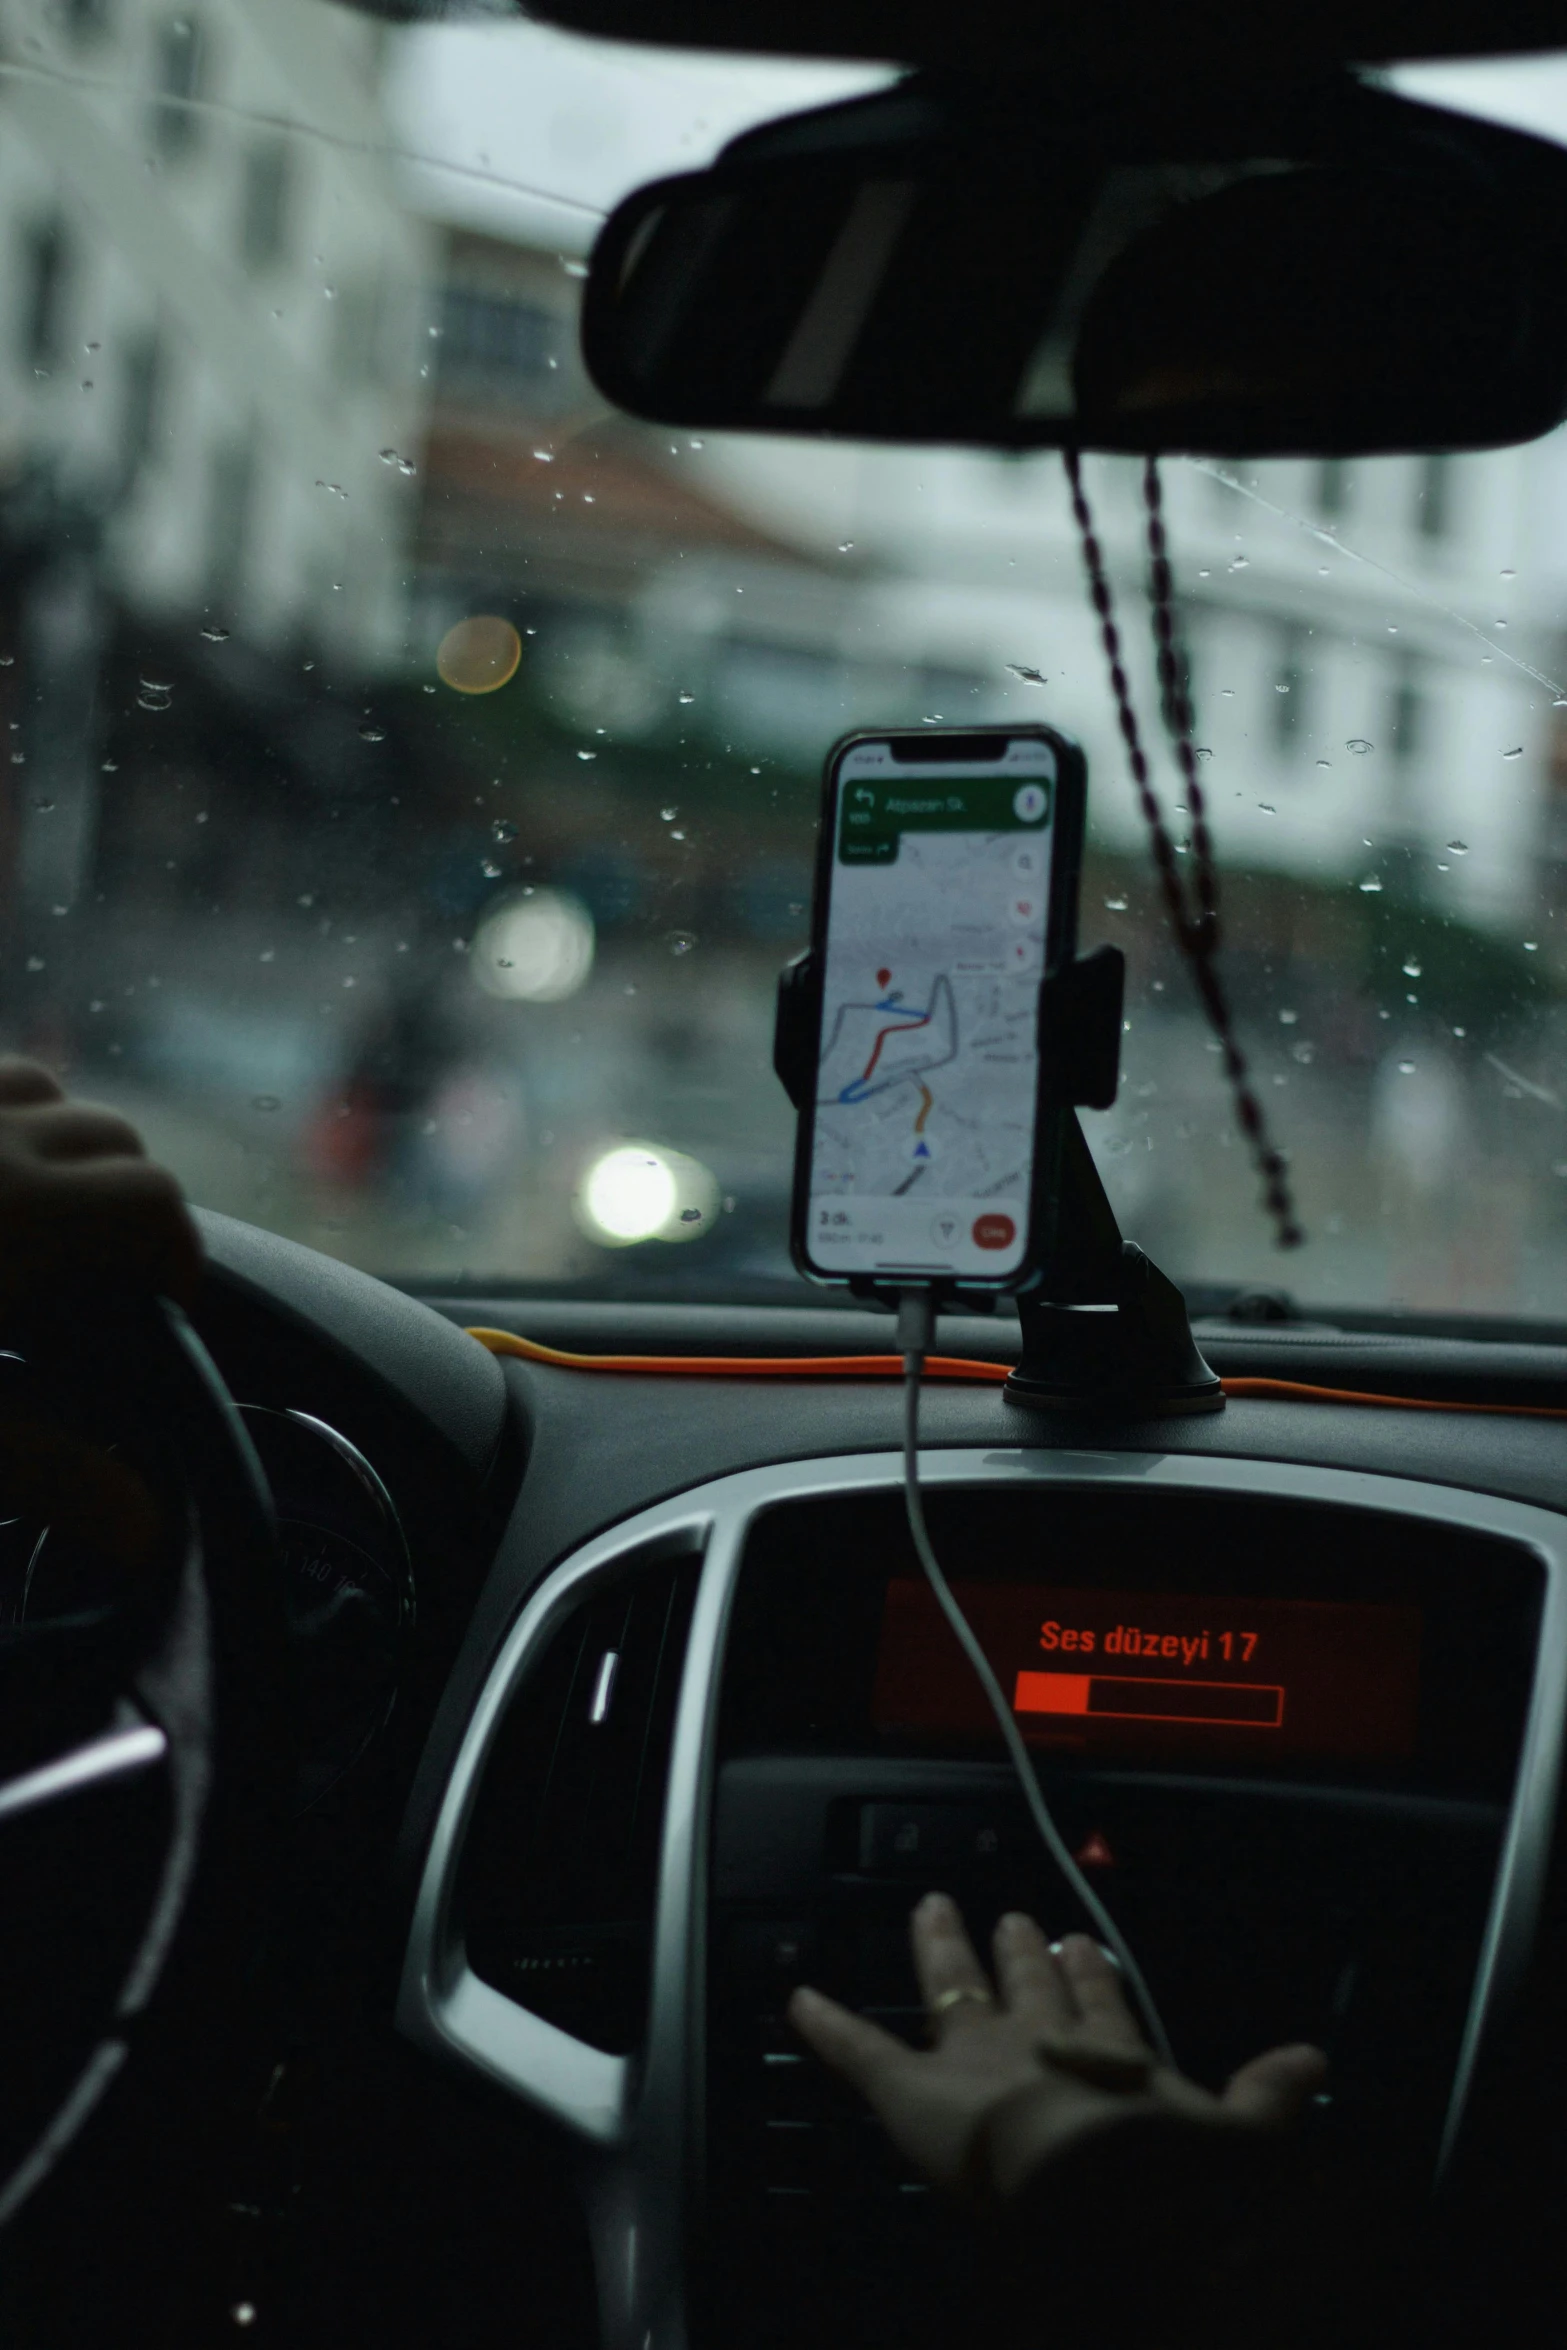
[1112, 1696]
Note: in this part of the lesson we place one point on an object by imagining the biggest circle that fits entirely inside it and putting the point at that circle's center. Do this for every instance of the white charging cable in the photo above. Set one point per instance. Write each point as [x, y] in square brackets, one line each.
[916, 1328]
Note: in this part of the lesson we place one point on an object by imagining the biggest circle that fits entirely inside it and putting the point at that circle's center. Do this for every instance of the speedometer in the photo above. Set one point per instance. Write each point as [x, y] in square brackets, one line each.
[348, 1589]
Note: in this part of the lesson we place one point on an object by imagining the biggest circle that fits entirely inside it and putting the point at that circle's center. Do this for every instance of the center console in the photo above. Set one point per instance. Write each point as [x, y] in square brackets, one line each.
[1281, 1738]
[1300, 1726]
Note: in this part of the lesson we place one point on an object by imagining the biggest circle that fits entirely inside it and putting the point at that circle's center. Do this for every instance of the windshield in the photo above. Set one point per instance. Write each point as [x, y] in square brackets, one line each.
[414, 766]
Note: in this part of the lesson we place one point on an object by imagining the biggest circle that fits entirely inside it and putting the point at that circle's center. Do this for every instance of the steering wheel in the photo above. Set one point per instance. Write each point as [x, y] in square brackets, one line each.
[145, 1758]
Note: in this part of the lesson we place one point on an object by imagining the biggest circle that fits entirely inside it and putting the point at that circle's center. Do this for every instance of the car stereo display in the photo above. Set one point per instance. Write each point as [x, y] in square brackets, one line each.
[1124, 1671]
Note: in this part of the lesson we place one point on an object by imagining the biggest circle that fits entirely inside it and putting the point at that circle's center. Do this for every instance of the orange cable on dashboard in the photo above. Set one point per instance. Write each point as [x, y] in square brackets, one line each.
[959, 1367]
[1295, 1391]
[503, 1342]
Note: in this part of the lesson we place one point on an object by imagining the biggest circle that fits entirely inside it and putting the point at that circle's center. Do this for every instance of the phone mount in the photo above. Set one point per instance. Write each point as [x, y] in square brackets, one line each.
[1104, 1331]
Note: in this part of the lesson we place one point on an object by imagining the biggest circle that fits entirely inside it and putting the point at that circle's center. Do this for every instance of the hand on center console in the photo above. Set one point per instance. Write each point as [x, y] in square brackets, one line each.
[1022, 2070]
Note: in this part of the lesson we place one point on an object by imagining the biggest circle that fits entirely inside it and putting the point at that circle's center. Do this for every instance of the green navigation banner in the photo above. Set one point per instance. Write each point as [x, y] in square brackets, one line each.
[875, 812]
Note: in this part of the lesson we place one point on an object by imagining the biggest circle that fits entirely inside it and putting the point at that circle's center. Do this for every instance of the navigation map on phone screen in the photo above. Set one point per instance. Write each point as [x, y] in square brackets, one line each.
[923, 1136]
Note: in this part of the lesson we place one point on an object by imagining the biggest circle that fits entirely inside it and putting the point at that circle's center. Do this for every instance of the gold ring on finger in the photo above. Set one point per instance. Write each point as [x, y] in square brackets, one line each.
[1101, 2067]
[944, 2000]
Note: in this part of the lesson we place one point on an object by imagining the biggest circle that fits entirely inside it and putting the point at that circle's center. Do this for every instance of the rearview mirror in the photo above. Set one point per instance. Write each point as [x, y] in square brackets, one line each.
[1323, 271]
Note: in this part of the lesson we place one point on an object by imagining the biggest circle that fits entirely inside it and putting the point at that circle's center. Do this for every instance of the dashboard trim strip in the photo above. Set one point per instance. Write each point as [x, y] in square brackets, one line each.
[640, 2126]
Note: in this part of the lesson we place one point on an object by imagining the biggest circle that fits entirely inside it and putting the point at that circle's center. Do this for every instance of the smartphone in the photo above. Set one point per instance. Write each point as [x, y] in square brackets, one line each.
[946, 891]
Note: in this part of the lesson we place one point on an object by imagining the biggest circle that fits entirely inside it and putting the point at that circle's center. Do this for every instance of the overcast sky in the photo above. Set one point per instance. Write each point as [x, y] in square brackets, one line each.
[526, 114]
[541, 131]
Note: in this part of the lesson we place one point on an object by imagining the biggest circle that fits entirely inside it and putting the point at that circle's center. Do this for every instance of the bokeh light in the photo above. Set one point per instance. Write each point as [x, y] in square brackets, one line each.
[534, 950]
[478, 655]
[640, 1191]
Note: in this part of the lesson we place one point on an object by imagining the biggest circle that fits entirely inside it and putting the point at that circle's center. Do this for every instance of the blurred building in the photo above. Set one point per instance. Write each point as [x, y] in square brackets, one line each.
[216, 321]
[649, 588]
[1375, 647]
[214, 363]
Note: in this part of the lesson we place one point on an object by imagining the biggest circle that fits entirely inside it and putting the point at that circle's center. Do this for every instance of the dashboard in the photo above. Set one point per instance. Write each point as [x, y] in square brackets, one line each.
[631, 1712]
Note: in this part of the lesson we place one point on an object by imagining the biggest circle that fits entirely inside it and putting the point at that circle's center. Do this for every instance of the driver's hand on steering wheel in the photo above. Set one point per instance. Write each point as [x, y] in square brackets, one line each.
[80, 1201]
[1022, 2071]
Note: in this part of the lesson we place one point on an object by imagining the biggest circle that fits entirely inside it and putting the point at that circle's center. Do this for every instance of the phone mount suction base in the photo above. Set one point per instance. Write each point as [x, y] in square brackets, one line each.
[1104, 1331]
[1133, 1357]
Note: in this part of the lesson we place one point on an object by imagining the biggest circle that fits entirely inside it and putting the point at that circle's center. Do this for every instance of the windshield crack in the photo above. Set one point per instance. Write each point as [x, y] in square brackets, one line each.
[1328, 538]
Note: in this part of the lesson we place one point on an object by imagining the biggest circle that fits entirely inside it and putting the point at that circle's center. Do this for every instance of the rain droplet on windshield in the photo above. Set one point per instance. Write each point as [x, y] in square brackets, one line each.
[846, 546]
[669, 814]
[680, 942]
[1267, 807]
[265, 1101]
[372, 734]
[1458, 848]
[1029, 676]
[1241, 563]
[685, 698]
[1370, 886]
[1516, 753]
[155, 693]
[1406, 1068]
[503, 829]
[1288, 1019]
[489, 868]
[1115, 905]
[1531, 946]
[215, 635]
[587, 754]
[1412, 968]
[1358, 744]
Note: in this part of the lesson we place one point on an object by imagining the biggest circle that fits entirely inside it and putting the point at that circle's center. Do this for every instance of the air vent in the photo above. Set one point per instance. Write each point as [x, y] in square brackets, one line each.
[556, 1888]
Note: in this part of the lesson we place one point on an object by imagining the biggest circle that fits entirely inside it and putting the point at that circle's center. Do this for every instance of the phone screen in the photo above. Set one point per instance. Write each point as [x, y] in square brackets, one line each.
[934, 940]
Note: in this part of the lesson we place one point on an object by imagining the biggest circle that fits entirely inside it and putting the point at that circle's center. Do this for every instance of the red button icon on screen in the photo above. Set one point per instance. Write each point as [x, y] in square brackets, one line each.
[994, 1231]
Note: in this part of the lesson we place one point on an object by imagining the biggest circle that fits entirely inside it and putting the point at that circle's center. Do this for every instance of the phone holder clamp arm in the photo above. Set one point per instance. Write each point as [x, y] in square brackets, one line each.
[795, 1026]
